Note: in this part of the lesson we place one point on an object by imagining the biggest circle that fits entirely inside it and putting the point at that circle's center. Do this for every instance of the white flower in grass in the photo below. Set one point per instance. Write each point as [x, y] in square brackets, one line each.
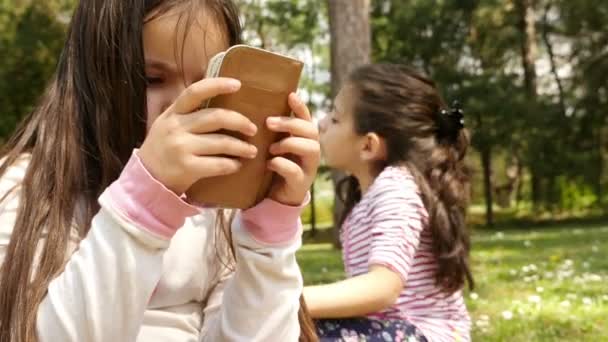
[605, 298]
[484, 317]
[595, 249]
[571, 296]
[499, 235]
[564, 274]
[474, 296]
[587, 301]
[593, 277]
[527, 243]
[482, 323]
[565, 304]
[568, 262]
[508, 315]
[534, 299]
[324, 270]
[586, 264]
[540, 289]
[549, 275]
[513, 272]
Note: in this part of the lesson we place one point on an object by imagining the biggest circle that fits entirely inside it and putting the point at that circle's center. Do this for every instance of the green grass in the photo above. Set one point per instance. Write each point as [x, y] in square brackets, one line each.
[546, 283]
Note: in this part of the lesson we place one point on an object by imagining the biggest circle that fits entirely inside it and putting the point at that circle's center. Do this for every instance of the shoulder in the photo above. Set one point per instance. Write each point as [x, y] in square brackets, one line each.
[395, 194]
[394, 183]
[12, 179]
[14, 173]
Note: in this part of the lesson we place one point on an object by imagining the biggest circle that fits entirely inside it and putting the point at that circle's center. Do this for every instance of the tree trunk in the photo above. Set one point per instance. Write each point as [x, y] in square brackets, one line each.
[549, 46]
[486, 164]
[529, 48]
[603, 160]
[350, 47]
[313, 204]
[600, 167]
[527, 29]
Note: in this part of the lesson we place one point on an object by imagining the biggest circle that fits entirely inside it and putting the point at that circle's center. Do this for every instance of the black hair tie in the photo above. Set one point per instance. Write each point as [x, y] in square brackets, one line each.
[450, 122]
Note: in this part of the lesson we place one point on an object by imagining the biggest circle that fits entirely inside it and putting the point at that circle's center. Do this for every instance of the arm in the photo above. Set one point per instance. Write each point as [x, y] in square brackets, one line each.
[358, 296]
[396, 224]
[104, 289]
[260, 300]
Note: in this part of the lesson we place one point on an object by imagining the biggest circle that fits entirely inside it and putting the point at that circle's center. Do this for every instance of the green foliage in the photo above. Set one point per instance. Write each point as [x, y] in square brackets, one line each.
[473, 50]
[298, 28]
[31, 39]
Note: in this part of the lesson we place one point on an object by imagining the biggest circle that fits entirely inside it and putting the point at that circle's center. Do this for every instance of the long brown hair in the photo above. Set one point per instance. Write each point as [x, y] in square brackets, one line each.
[80, 136]
[404, 107]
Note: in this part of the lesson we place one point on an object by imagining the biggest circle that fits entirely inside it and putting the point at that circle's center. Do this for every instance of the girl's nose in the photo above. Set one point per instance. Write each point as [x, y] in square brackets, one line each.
[323, 124]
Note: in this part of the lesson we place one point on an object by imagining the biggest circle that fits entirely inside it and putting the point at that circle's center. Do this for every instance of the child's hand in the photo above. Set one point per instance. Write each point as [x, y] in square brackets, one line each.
[181, 146]
[297, 155]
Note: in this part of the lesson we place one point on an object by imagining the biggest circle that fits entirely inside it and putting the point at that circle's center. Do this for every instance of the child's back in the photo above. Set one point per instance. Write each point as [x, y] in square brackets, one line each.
[401, 240]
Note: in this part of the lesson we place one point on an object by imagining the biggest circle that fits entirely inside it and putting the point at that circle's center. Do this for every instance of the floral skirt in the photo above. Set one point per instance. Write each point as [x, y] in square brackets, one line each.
[367, 330]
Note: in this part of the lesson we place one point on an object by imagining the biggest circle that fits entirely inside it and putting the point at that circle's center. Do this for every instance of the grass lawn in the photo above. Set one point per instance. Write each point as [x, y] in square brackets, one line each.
[541, 284]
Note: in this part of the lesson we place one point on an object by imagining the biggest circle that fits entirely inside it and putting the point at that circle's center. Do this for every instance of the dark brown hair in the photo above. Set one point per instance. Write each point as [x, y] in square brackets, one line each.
[80, 136]
[404, 107]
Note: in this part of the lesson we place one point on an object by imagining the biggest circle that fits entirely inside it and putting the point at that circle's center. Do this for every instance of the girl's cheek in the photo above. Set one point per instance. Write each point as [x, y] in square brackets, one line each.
[154, 106]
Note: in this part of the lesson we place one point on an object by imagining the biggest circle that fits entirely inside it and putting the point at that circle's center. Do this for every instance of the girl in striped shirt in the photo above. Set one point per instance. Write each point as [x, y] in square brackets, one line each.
[405, 245]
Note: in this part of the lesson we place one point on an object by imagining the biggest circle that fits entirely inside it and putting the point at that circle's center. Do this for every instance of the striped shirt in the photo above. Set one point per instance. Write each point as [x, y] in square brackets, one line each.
[388, 227]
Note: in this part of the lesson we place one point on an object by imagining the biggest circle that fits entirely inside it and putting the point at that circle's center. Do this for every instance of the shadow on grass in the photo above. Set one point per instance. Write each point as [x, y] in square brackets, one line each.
[510, 222]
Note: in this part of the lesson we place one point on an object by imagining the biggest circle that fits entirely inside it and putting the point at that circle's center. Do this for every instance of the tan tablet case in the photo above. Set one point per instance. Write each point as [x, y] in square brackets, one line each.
[267, 80]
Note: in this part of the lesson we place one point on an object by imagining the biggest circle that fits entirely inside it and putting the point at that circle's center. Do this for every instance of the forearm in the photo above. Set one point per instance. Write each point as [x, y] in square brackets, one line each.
[260, 300]
[357, 296]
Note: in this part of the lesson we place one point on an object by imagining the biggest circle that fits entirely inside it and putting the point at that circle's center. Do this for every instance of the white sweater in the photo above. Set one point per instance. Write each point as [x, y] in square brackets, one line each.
[137, 277]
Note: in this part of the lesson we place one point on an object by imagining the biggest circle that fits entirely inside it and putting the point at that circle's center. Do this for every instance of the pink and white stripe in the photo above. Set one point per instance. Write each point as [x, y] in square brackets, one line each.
[389, 227]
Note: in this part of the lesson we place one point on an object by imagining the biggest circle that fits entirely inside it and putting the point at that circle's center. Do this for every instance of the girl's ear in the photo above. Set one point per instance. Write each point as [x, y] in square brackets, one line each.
[373, 148]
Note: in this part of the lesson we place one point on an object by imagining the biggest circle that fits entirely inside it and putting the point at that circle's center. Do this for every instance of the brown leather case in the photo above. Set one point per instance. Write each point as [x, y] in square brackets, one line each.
[267, 80]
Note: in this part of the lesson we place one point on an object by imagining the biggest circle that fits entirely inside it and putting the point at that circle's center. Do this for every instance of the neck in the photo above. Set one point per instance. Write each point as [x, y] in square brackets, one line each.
[365, 176]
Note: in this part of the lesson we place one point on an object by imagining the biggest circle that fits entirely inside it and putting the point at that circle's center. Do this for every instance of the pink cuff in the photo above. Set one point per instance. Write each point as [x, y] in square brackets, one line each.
[273, 223]
[146, 202]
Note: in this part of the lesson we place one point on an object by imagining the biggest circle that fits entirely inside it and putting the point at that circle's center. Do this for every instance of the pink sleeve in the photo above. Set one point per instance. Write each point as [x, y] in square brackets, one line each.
[273, 223]
[397, 221]
[145, 202]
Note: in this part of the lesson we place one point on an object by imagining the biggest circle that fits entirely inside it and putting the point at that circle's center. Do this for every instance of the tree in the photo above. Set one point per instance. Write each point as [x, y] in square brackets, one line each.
[31, 39]
[350, 47]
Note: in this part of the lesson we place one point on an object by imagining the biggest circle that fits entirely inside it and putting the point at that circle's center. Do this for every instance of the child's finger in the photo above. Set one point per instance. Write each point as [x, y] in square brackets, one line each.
[299, 108]
[290, 171]
[307, 151]
[195, 95]
[221, 144]
[215, 119]
[293, 126]
[212, 166]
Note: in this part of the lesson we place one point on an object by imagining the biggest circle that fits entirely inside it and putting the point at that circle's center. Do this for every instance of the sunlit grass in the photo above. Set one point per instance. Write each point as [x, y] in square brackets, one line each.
[548, 284]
